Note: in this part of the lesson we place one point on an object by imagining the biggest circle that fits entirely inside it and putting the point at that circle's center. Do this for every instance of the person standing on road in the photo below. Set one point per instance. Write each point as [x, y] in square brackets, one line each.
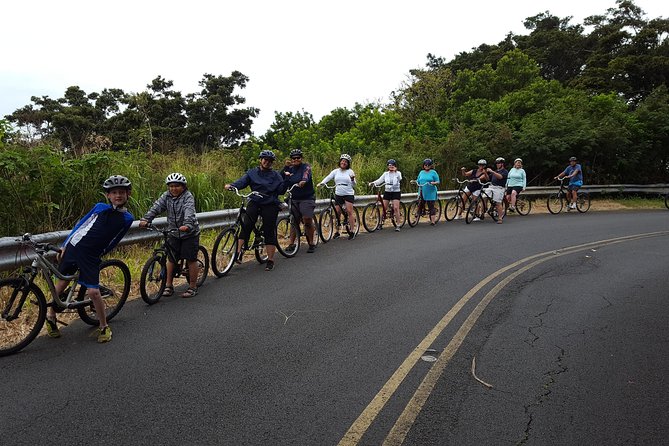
[473, 187]
[515, 183]
[575, 175]
[304, 196]
[344, 179]
[269, 184]
[498, 179]
[429, 179]
[391, 178]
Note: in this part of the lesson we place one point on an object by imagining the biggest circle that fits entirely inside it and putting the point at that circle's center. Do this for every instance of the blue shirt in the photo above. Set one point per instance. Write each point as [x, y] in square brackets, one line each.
[428, 191]
[502, 182]
[576, 179]
[100, 230]
[301, 173]
[266, 182]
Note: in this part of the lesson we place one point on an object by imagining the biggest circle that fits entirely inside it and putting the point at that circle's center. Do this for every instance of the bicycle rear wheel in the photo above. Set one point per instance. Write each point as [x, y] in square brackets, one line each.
[356, 229]
[555, 202]
[583, 202]
[326, 224]
[438, 210]
[402, 218]
[523, 205]
[224, 252]
[114, 288]
[452, 208]
[475, 210]
[285, 229]
[414, 213]
[371, 217]
[153, 279]
[202, 267]
[22, 314]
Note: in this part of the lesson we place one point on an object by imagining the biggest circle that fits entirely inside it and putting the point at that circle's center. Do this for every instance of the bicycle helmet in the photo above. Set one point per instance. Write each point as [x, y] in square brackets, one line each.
[500, 160]
[116, 181]
[517, 159]
[295, 152]
[428, 162]
[391, 162]
[573, 158]
[175, 177]
[482, 162]
[345, 156]
[267, 154]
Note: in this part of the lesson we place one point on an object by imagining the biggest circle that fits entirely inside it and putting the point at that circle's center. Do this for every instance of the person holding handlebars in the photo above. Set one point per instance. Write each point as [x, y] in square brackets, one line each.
[427, 181]
[304, 196]
[184, 239]
[575, 175]
[498, 179]
[269, 184]
[391, 178]
[344, 178]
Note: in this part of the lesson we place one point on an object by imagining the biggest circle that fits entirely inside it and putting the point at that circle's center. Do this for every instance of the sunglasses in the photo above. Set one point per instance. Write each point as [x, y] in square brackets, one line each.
[296, 157]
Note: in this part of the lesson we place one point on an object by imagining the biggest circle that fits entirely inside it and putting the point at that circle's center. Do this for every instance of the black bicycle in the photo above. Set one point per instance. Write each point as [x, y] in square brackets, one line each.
[328, 219]
[154, 274]
[375, 214]
[224, 253]
[556, 201]
[417, 208]
[456, 205]
[290, 229]
[483, 203]
[23, 304]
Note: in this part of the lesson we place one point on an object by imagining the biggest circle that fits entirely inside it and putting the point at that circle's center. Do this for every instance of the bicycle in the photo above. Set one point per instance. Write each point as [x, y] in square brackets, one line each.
[482, 204]
[555, 202]
[417, 207]
[375, 214]
[289, 230]
[328, 216]
[23, 304]
[523, 204]
[224, 253]
[154, 273]
[457, 204]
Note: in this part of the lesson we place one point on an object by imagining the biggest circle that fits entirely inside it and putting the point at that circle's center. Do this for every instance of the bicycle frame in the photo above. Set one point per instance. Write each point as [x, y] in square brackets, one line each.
[258, 239]
[166, 249]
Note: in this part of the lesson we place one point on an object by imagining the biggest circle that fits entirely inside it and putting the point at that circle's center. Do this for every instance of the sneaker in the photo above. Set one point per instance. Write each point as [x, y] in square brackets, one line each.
[512, 209]
[104, 334]
[336, 235]
[351, 236]
[397, 229]
[312, 248]
[269, 266]
[573, 205]
[458, 217]
[52, 328]
[291, 247]
[476, 219]
[431, 223]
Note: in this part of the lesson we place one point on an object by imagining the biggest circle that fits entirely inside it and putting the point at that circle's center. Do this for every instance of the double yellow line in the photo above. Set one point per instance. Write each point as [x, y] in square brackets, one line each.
[401, 427]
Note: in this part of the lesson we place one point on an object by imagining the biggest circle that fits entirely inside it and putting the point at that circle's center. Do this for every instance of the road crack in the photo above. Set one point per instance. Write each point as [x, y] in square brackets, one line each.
[540, 324]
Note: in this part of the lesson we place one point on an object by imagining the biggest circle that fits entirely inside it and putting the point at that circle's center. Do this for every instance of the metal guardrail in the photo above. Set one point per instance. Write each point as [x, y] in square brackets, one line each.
[216, 220]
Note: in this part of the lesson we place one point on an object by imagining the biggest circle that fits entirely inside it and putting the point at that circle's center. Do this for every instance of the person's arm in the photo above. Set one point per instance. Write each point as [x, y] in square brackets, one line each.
[328, 177]
[306, 176]
[159, 206]
[522, 171]
[435, 179]
[112, 244]
[380, 180]
[94, 210]
[189, 213]
[241, 183]
[564, 173]
[351, 175]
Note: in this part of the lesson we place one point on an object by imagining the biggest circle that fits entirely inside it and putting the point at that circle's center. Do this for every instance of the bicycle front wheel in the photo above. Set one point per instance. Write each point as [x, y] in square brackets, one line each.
[202, 266]
[326, 224]
[285, 230]
[475, 210]
[403, 216]
[114, 288]
[224, 252]
[413, 214]
[452, 208]
[583, 202]
[555, 202]
[355, 230]
[523, 205]
[153, 279]
[438, 210]
[23, 310]
[371, 217]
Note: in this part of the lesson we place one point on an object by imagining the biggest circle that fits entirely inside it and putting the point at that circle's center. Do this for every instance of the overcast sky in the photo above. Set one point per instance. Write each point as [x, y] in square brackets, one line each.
[299, 55]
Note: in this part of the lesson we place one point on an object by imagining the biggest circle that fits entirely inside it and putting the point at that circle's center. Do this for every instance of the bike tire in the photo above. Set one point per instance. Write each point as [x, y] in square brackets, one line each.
[475, 210]
[326, 224]
[523, 205]
[202, 266]
[153, 279]
[438, 210]
[403, 216]
[224, 252]
[355, 231]
[582, 202]
[666, 201]
[284, 229]
[371, 217]
[452, 208]
[555, 203]
[114, 287]
[261, 253]
[413, 214]
[18, 333]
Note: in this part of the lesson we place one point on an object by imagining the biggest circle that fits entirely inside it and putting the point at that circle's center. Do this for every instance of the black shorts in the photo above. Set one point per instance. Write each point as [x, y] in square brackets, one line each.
[340, 199]
[518, 189]
[184, 248]
[392, 195]
[87, 264]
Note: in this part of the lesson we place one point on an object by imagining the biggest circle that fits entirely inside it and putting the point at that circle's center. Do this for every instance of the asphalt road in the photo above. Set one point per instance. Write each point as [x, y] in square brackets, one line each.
[575, 346]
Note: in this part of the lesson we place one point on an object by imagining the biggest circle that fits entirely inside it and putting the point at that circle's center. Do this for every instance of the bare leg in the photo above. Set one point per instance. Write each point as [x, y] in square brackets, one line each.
[193, 270]
[94, 295]
[310, 229]
[170, 274]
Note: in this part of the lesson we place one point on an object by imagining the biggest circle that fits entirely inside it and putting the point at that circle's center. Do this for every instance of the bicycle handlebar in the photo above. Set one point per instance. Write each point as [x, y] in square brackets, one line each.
[26, 239]
[236, 191]
[151, 227]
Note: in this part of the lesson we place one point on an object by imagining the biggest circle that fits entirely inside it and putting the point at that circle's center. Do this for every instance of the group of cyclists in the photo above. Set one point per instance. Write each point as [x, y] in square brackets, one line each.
[104, 226]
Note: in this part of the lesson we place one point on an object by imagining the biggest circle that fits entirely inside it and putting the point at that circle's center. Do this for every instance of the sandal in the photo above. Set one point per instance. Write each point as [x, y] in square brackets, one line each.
[168, 291]
[190, 292]
[269, 266]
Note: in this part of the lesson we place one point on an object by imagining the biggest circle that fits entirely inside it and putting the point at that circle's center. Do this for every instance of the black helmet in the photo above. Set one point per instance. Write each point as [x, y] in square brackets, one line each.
[391, 162]
[116, 181]
[428, 162]
[295, 152]
[267, 154]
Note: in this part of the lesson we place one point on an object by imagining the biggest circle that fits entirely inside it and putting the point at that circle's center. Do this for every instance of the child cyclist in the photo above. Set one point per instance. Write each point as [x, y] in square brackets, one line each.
[93, 236]
[179, 203]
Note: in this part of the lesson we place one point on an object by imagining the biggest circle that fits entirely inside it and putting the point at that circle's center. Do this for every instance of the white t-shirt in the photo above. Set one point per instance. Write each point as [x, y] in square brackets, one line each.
[343, 181]
[392, 180]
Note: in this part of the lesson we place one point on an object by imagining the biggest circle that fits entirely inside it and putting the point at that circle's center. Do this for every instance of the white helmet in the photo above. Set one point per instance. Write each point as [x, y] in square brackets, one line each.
[175, 177]
[482, 162]
[345, 156]
[115, 181]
